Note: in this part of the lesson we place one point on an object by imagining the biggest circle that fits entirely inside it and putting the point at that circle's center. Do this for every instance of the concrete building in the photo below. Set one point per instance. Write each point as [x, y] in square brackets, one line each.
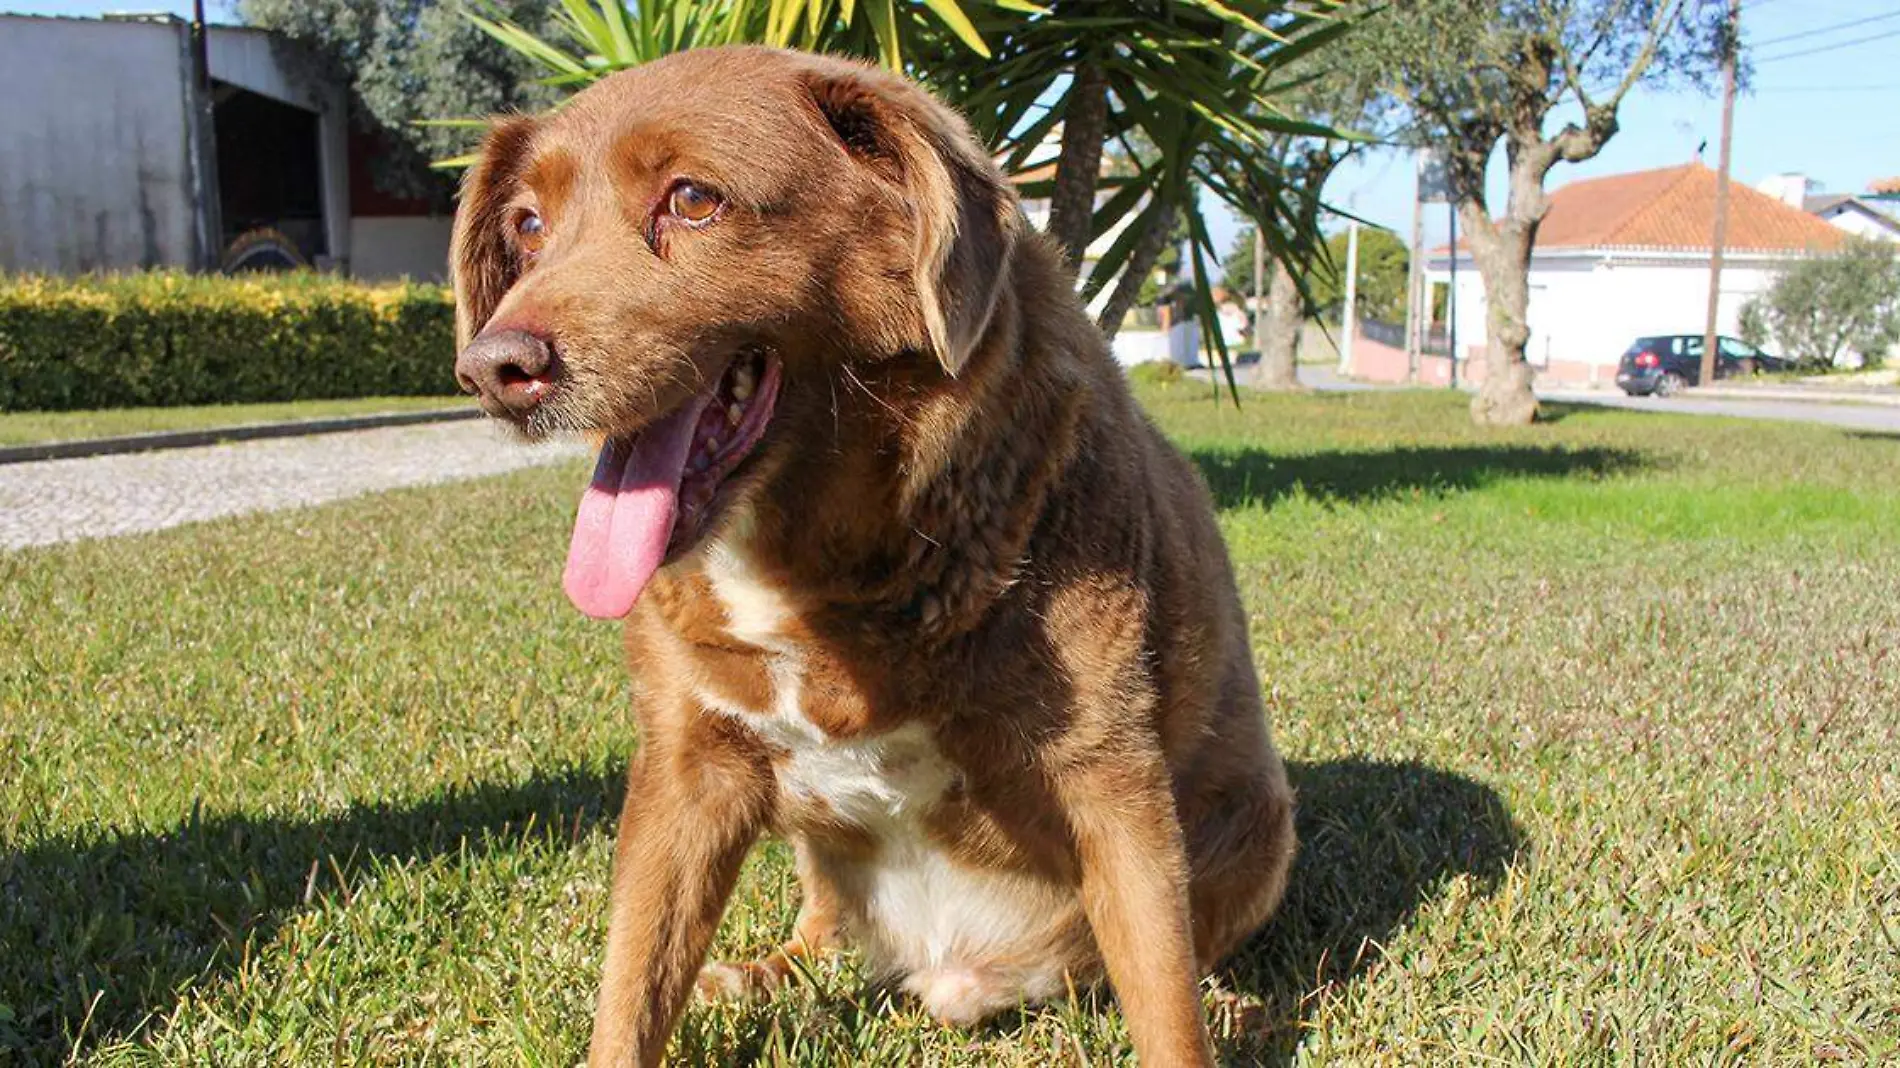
[1625, 256]
[113, 157]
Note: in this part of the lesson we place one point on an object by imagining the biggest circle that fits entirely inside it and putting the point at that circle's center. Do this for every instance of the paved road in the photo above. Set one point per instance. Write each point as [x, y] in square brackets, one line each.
[1878, 418]
[1870, 417]
[66, 500]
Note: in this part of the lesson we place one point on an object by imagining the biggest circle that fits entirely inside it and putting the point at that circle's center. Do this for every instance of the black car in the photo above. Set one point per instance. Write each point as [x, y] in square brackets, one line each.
[1669, 362]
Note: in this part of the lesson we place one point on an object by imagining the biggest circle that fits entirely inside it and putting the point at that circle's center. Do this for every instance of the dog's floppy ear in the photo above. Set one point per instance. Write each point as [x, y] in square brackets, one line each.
[962, 210]
[480, 263]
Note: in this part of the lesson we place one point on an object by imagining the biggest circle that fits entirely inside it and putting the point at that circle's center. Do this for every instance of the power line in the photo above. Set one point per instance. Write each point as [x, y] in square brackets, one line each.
[1836, 28]
[1720, 237]
[1828, 48]
[1770, 90]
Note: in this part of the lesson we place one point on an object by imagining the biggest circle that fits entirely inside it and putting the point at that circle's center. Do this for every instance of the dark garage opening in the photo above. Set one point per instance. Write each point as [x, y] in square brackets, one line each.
[269, 178]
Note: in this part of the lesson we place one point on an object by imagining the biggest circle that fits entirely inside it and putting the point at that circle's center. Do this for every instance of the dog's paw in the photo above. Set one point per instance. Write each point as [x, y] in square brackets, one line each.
[1236, 1017]
[742, 981]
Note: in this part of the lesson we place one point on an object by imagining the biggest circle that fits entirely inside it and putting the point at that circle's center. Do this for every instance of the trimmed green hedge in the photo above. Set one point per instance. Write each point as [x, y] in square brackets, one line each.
[168, 338]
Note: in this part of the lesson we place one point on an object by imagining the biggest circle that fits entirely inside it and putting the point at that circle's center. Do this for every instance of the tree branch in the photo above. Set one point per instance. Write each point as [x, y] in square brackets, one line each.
[1665, 16]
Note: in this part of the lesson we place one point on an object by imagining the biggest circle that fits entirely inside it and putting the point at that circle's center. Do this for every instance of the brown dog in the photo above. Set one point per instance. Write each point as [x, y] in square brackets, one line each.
[909, 579]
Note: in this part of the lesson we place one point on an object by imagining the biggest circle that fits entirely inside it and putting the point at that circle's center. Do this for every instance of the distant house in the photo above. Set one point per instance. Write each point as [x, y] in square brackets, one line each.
[1857, 215]
[1853, 214]
[110, 163]
[1628, 255]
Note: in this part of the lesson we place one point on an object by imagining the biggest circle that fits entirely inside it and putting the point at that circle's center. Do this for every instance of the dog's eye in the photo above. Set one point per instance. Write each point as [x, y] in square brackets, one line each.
[692, 203]
[530, 232]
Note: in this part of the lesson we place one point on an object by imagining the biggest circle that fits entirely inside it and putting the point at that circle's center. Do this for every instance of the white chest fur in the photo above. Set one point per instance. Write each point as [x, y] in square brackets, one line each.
[883, 783]
[920, 913]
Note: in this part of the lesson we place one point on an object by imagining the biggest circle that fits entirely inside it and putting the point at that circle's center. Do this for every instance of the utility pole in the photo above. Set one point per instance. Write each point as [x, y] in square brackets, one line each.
[1451, 294]
[201, 157]
[1730, 45]
[1350, 324]
[1258, 319]
[1417, 315]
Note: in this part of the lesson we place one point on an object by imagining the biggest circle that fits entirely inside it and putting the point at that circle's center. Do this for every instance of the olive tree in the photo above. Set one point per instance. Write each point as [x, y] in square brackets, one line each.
[1818, 310]
[1474, 75]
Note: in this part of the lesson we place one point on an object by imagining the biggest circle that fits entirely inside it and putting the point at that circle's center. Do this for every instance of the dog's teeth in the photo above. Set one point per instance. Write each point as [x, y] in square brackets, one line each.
[734, 413]
[742, 383]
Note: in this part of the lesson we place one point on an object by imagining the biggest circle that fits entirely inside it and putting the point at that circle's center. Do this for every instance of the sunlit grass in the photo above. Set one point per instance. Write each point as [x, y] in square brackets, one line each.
[1593, 725]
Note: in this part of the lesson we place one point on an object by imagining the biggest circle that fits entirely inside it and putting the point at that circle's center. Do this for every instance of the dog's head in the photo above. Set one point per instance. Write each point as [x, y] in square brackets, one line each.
[688, 247]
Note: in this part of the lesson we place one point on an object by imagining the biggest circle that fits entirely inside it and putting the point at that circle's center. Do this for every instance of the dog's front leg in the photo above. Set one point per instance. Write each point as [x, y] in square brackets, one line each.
[697, 798]
[1135, 893]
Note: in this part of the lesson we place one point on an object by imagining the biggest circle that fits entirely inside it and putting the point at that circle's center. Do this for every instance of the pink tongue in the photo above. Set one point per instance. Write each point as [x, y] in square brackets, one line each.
[626, 516]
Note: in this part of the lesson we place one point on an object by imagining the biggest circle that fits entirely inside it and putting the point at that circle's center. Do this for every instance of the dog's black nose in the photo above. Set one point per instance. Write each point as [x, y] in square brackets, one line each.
[510, 370]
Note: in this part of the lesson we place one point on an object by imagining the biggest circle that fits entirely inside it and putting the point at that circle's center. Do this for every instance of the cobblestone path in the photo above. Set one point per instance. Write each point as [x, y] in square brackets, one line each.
[65, 500]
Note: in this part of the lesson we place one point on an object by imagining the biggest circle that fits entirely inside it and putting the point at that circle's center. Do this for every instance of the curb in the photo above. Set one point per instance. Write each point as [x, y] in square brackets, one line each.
[188, 439]
[1798, 395]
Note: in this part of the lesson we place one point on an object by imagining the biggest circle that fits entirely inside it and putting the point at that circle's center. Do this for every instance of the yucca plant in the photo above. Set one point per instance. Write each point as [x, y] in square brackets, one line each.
[598, 37]
[1189, 90]
[1185, 89]
[603, 36]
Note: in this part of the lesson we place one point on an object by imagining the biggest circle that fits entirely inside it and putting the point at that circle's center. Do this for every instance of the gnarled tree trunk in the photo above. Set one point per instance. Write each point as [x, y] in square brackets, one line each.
[1079, 163]
[1502, 250]
[1141, 263]
[1277, 331]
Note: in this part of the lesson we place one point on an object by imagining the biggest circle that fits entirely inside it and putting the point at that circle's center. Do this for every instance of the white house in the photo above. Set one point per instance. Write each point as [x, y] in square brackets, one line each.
[1627, 255]
[1853, 214]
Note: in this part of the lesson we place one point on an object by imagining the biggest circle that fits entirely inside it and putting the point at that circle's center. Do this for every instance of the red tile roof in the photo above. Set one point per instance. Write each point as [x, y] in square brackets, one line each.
[1673, 208]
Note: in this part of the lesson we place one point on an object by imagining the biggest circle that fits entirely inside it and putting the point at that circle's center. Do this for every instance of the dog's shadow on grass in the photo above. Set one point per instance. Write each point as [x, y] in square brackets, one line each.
[1378, 842]
[97, 936]
[1241, 477]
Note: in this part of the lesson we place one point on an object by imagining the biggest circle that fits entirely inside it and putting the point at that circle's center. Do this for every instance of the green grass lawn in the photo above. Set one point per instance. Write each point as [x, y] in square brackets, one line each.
[1596, 728]
[28, 428]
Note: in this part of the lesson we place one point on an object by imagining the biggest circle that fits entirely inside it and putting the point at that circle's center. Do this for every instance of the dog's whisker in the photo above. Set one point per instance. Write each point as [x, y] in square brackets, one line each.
[869, 392]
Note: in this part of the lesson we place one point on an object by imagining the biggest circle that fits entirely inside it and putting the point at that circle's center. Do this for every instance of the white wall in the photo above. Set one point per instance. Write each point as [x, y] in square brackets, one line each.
[1181, 345]
[387, 247]
[92, 145]
[1588, 310]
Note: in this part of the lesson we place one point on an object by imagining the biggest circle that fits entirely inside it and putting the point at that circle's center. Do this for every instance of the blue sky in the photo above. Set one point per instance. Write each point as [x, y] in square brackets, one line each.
[1832, 113]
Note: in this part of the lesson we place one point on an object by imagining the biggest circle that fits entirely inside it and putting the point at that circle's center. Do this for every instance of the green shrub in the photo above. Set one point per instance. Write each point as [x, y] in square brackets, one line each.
[1156, 372]
[167, 338]
[1822, 308]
